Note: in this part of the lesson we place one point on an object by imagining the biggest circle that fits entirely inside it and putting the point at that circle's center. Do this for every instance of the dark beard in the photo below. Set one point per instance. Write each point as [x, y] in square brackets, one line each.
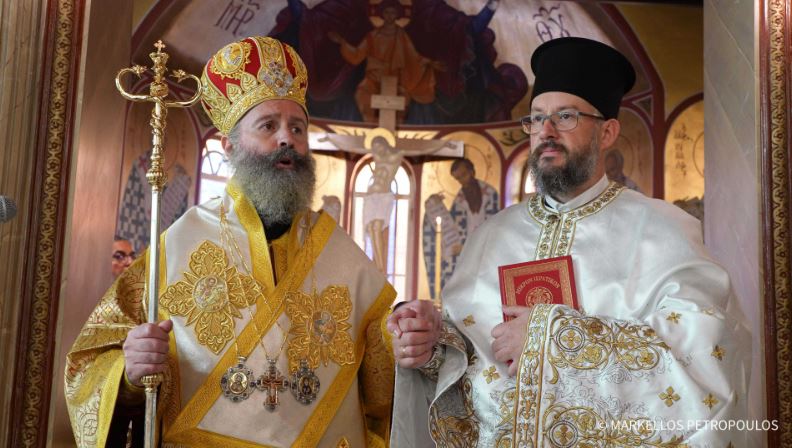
[561, 181]
[277, 194]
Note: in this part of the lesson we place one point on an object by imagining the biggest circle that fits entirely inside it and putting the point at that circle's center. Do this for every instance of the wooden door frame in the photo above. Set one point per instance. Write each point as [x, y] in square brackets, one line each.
[774, 151]
[41, 273]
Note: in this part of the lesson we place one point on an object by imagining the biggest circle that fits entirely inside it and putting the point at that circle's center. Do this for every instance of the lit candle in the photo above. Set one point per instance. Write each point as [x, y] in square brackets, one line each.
[438, 256]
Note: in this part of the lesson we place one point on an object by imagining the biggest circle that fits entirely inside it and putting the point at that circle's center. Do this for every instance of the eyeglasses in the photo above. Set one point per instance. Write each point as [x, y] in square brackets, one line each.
[564, 120]
[123, 256]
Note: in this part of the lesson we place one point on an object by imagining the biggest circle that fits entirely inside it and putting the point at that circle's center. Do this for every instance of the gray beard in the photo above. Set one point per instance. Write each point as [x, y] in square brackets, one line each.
[561, 181]
[277, 194]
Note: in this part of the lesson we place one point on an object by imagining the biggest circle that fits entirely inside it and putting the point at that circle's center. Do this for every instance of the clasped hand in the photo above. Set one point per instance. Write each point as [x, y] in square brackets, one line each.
[146, 350]
[415, 327]
[509, 337]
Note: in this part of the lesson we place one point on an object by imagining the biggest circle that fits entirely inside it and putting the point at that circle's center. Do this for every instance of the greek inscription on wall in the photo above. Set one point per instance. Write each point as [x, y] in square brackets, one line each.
[681, 137]
[550, 23]
[236, 14]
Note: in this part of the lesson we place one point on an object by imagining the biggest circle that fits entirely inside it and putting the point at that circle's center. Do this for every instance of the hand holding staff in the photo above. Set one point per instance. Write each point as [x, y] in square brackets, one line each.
[158, 92]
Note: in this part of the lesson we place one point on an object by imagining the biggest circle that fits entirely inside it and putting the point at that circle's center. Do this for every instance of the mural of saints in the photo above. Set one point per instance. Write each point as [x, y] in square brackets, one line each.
[134, 214]
[389, 51]
[447, 60]
[474, 203]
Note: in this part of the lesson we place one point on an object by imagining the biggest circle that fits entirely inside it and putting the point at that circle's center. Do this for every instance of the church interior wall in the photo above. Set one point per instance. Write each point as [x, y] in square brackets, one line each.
[95, 184]
[684, 155]
[181, 140]
[732, 207]
[672, 36]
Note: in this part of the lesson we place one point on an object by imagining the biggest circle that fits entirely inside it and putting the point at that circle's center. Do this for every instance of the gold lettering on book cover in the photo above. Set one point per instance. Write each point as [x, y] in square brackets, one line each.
[319, 327]
[211, 295]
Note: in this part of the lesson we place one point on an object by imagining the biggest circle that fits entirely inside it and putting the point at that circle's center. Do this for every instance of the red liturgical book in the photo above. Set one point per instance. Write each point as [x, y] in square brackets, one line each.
[543, 281]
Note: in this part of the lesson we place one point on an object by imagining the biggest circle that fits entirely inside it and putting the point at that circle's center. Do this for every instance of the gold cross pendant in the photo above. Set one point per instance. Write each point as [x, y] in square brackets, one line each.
[272, 382]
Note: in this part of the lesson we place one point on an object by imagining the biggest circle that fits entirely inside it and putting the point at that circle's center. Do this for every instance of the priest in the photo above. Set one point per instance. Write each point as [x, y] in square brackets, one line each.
[271, 330]
[654, 354]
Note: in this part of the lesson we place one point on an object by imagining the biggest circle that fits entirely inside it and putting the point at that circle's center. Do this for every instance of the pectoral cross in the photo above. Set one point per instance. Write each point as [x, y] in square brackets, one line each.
[272, 383]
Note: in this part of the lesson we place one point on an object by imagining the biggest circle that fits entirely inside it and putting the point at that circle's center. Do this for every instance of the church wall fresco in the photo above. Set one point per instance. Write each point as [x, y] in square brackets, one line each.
[181, 166]
[331, 182]
[684, 155]
[330, 185]
[436, 178]
[443, 57]
[634, 144]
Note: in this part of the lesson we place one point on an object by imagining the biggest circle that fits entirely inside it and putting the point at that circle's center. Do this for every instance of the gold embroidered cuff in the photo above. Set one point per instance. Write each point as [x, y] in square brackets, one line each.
[450, 336]
[432, 368]
[130, 395]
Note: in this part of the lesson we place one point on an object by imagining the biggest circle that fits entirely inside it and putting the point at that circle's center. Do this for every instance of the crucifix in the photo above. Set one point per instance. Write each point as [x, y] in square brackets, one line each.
[388, 152]
[272, 382]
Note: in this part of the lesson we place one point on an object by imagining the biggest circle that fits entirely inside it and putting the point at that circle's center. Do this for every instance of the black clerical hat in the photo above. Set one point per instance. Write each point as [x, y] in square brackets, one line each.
[583, 67]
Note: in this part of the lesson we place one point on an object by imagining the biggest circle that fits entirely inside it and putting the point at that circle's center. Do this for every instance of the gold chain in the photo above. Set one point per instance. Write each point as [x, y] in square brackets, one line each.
[230, 245]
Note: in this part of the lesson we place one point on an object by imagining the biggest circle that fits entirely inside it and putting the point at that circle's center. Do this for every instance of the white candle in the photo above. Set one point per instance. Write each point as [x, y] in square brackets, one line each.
[438, 256]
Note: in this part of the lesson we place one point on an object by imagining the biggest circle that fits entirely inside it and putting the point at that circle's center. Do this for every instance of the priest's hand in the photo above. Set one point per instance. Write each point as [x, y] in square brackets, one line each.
[146, 350]
[510, 337]
[415, 327]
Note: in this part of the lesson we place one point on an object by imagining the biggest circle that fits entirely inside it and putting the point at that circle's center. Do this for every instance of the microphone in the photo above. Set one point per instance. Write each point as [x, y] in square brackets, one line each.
[8, 209]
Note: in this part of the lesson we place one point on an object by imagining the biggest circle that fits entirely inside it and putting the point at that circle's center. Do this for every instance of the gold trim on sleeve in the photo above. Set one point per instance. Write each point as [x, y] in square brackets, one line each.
[108, 396]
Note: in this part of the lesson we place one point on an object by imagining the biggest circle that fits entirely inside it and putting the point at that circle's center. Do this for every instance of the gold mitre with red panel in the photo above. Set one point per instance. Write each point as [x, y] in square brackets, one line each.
[245, 73]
